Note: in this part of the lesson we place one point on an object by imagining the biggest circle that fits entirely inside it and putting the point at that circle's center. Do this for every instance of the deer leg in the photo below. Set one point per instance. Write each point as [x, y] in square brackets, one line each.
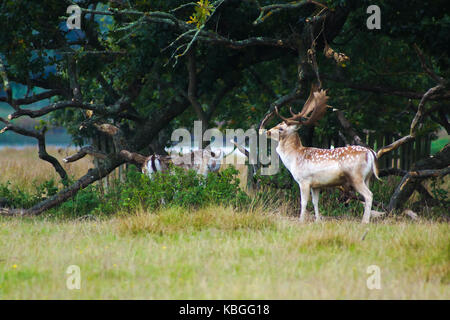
[361, 187]
[304, 192]
[367, 180]
[315, 200]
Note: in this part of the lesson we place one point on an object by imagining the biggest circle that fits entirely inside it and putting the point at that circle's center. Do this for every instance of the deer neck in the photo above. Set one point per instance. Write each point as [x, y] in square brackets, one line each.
[289, 147]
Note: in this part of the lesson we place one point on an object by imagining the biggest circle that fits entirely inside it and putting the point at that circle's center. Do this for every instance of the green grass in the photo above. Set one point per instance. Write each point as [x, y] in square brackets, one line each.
[220, 253]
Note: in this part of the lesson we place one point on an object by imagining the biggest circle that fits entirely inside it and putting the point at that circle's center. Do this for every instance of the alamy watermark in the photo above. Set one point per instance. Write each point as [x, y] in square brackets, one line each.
[74, 21]
[256, 144]
[73, 281]
[373, 282]
[374, 20]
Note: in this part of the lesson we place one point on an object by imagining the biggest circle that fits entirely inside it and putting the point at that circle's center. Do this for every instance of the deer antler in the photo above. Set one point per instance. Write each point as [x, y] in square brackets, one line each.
[313, 110]
[264, 121]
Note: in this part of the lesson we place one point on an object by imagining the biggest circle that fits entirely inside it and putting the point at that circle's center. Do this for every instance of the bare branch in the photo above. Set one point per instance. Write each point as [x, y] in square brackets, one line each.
[90, 177]
[426, 68]
[97, 108]
[133, 157]
[83, 152]
[409, 179]
[40, 137]
[34, 98]
[268, 10]
[414, 124]
[444, 95]
[392, 172]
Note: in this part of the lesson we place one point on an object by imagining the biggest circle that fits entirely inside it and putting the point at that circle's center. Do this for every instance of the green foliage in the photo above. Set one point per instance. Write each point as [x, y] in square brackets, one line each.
[84, 202]
[202, 11]
[440, 193]
[178, 188]
[15, 197]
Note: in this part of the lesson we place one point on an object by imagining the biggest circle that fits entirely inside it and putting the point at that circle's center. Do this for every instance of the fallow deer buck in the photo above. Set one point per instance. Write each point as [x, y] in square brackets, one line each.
[314, 168]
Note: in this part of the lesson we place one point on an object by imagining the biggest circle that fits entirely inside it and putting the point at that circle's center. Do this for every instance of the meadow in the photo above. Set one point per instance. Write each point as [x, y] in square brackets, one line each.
[215, 252]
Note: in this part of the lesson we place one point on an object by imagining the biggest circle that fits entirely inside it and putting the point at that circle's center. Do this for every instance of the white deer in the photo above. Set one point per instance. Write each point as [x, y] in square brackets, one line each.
[314, 168]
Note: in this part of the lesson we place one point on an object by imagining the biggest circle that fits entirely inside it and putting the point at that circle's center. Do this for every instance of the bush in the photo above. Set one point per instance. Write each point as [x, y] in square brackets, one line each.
[178, 188]
[84, 202]
[14, 197]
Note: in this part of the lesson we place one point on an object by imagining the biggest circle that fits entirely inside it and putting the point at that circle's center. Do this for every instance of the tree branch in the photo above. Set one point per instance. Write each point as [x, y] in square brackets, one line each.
[192, 88]
[40, 137]
[101, 109]
[268, 10]
[414, 124]
[426, 68]
[83, 152]
[90, 177]
[445, 95]
[34, 98]
[346, 125]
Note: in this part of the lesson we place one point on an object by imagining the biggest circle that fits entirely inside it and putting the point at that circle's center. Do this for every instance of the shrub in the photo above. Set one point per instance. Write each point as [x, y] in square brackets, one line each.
[15, 197]
[177, 188]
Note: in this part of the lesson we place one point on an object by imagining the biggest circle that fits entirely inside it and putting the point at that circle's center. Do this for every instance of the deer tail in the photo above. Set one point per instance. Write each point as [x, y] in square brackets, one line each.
[375, 169]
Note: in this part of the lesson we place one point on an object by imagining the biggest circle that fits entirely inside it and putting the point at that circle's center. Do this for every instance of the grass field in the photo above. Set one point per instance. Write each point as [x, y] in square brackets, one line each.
[216, 253]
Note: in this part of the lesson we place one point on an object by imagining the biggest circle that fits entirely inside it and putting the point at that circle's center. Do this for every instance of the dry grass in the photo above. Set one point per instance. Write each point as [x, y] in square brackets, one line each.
[174, 220]
[22, 167]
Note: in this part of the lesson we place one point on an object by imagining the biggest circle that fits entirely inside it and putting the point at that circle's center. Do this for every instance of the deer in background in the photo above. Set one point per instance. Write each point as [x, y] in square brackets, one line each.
[202, 161]
[314, 168]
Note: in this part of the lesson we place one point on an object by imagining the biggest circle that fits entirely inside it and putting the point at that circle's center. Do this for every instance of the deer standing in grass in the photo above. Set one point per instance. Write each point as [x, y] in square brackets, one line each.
[314, 168]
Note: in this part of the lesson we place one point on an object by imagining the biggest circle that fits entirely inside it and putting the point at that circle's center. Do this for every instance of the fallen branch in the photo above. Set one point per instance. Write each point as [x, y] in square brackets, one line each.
[90, 177]
[392, 172]
[435, 166]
